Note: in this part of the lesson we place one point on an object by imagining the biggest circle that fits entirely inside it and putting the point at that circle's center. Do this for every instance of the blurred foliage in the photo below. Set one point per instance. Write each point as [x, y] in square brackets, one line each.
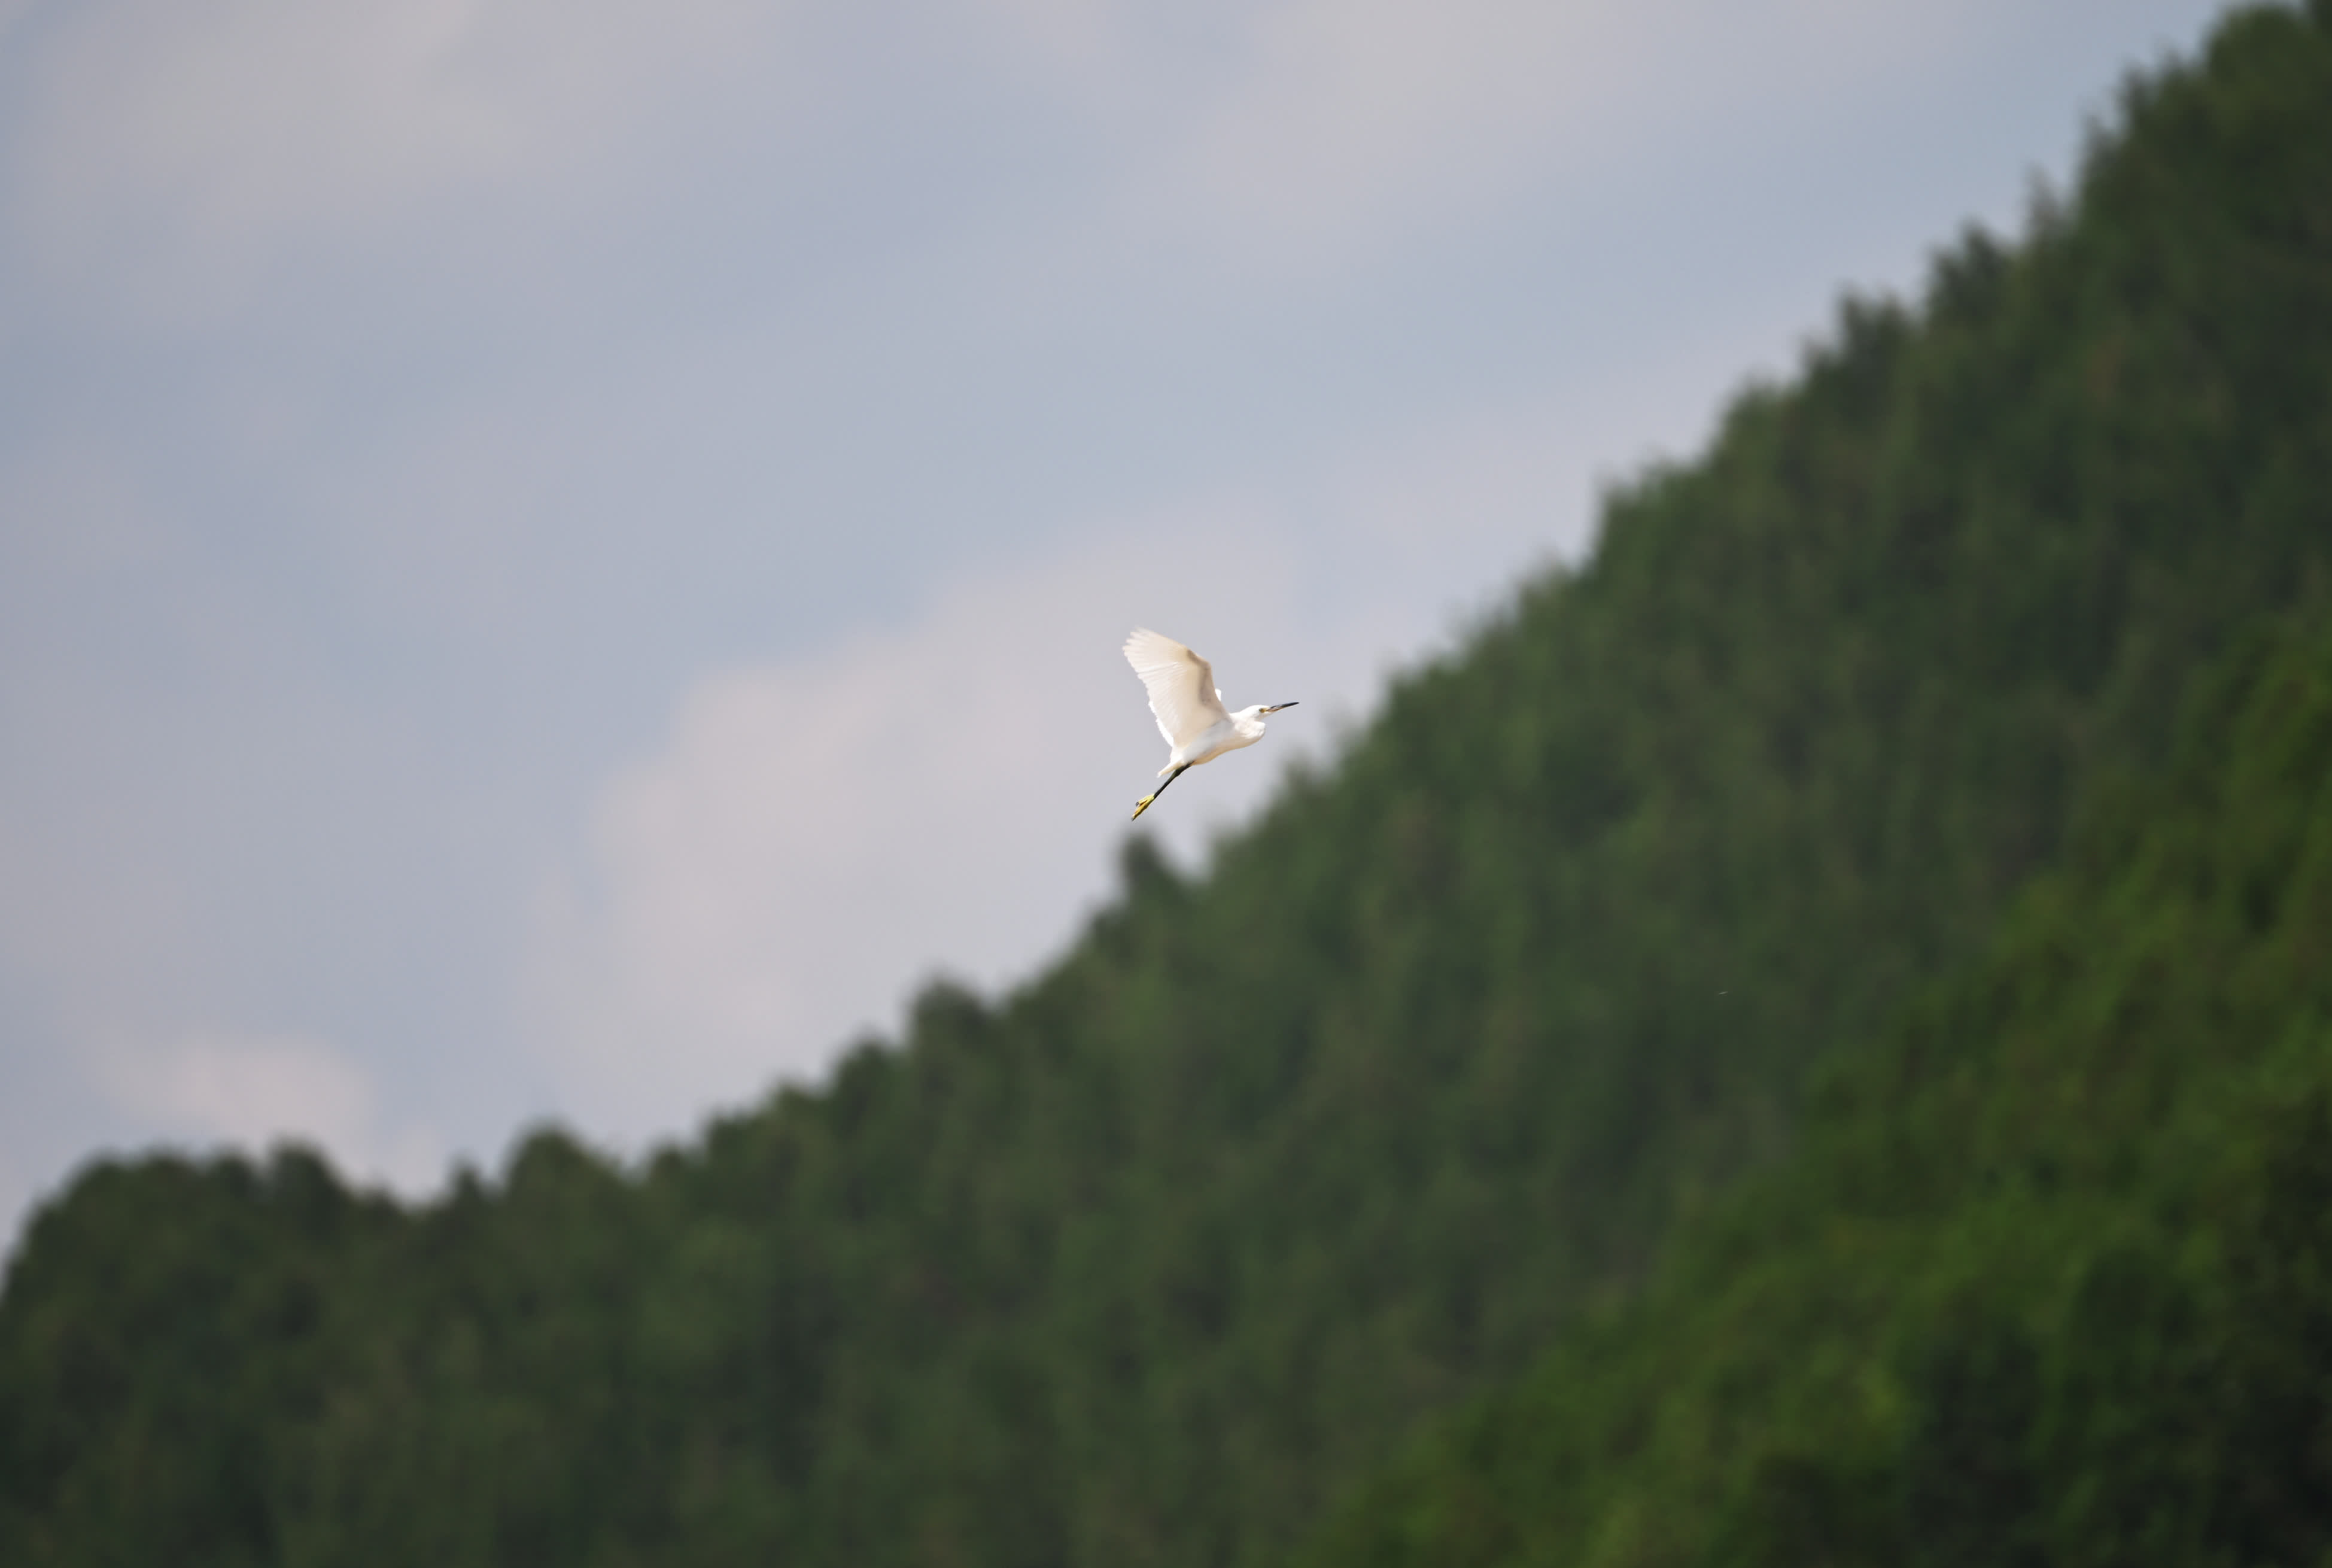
[2048, 1279]
[1150, 1260]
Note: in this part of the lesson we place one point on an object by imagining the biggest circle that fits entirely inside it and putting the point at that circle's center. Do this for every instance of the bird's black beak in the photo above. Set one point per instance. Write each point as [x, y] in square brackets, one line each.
[1277, 706]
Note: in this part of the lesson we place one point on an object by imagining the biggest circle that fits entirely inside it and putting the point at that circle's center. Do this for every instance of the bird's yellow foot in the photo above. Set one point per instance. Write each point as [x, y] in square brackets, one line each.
[1141, 806]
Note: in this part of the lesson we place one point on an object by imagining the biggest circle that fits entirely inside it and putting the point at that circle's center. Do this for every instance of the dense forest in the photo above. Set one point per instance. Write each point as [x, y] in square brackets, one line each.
[1804, 1039]
[2049, 1278]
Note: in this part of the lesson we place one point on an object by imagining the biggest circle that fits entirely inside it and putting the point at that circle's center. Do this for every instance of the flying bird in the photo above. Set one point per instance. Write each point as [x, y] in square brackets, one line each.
[1189, 709]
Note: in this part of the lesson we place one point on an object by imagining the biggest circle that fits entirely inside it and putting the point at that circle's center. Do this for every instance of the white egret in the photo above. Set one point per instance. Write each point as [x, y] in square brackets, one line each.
[1189, 709]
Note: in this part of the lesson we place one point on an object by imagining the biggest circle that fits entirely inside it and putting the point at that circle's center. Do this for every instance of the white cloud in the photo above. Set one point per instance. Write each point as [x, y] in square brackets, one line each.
[169, 158]
[817, 834]
[247, 1090]
[814, 836]
[253, 1091]
[170, 152]
[1344, 123]
[1340, 110]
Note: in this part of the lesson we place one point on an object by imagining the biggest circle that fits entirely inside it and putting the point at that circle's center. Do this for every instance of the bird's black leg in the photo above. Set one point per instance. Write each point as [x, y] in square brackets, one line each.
[1143, 805]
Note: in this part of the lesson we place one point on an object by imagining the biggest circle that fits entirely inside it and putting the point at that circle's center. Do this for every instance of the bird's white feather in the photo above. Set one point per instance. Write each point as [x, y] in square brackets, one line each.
[1181, 686]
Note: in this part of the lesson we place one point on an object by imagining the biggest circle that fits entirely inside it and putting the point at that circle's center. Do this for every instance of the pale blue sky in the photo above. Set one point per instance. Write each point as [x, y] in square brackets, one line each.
[556, 558]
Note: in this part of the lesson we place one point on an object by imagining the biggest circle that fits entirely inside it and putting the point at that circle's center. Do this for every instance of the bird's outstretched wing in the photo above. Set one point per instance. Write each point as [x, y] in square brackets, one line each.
[1181, 686]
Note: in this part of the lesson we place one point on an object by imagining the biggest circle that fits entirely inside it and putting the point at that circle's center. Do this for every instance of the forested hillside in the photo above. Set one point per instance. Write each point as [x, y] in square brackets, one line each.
[2050, 1280]
[1150, 1261]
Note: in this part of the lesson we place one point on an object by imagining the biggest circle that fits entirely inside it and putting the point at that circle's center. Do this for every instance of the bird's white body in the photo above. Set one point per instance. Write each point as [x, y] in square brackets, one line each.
[1228, 733]
[1187, 706]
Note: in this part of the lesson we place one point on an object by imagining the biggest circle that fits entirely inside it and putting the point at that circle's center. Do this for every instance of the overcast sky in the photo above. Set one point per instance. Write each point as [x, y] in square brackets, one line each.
[558, 557]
